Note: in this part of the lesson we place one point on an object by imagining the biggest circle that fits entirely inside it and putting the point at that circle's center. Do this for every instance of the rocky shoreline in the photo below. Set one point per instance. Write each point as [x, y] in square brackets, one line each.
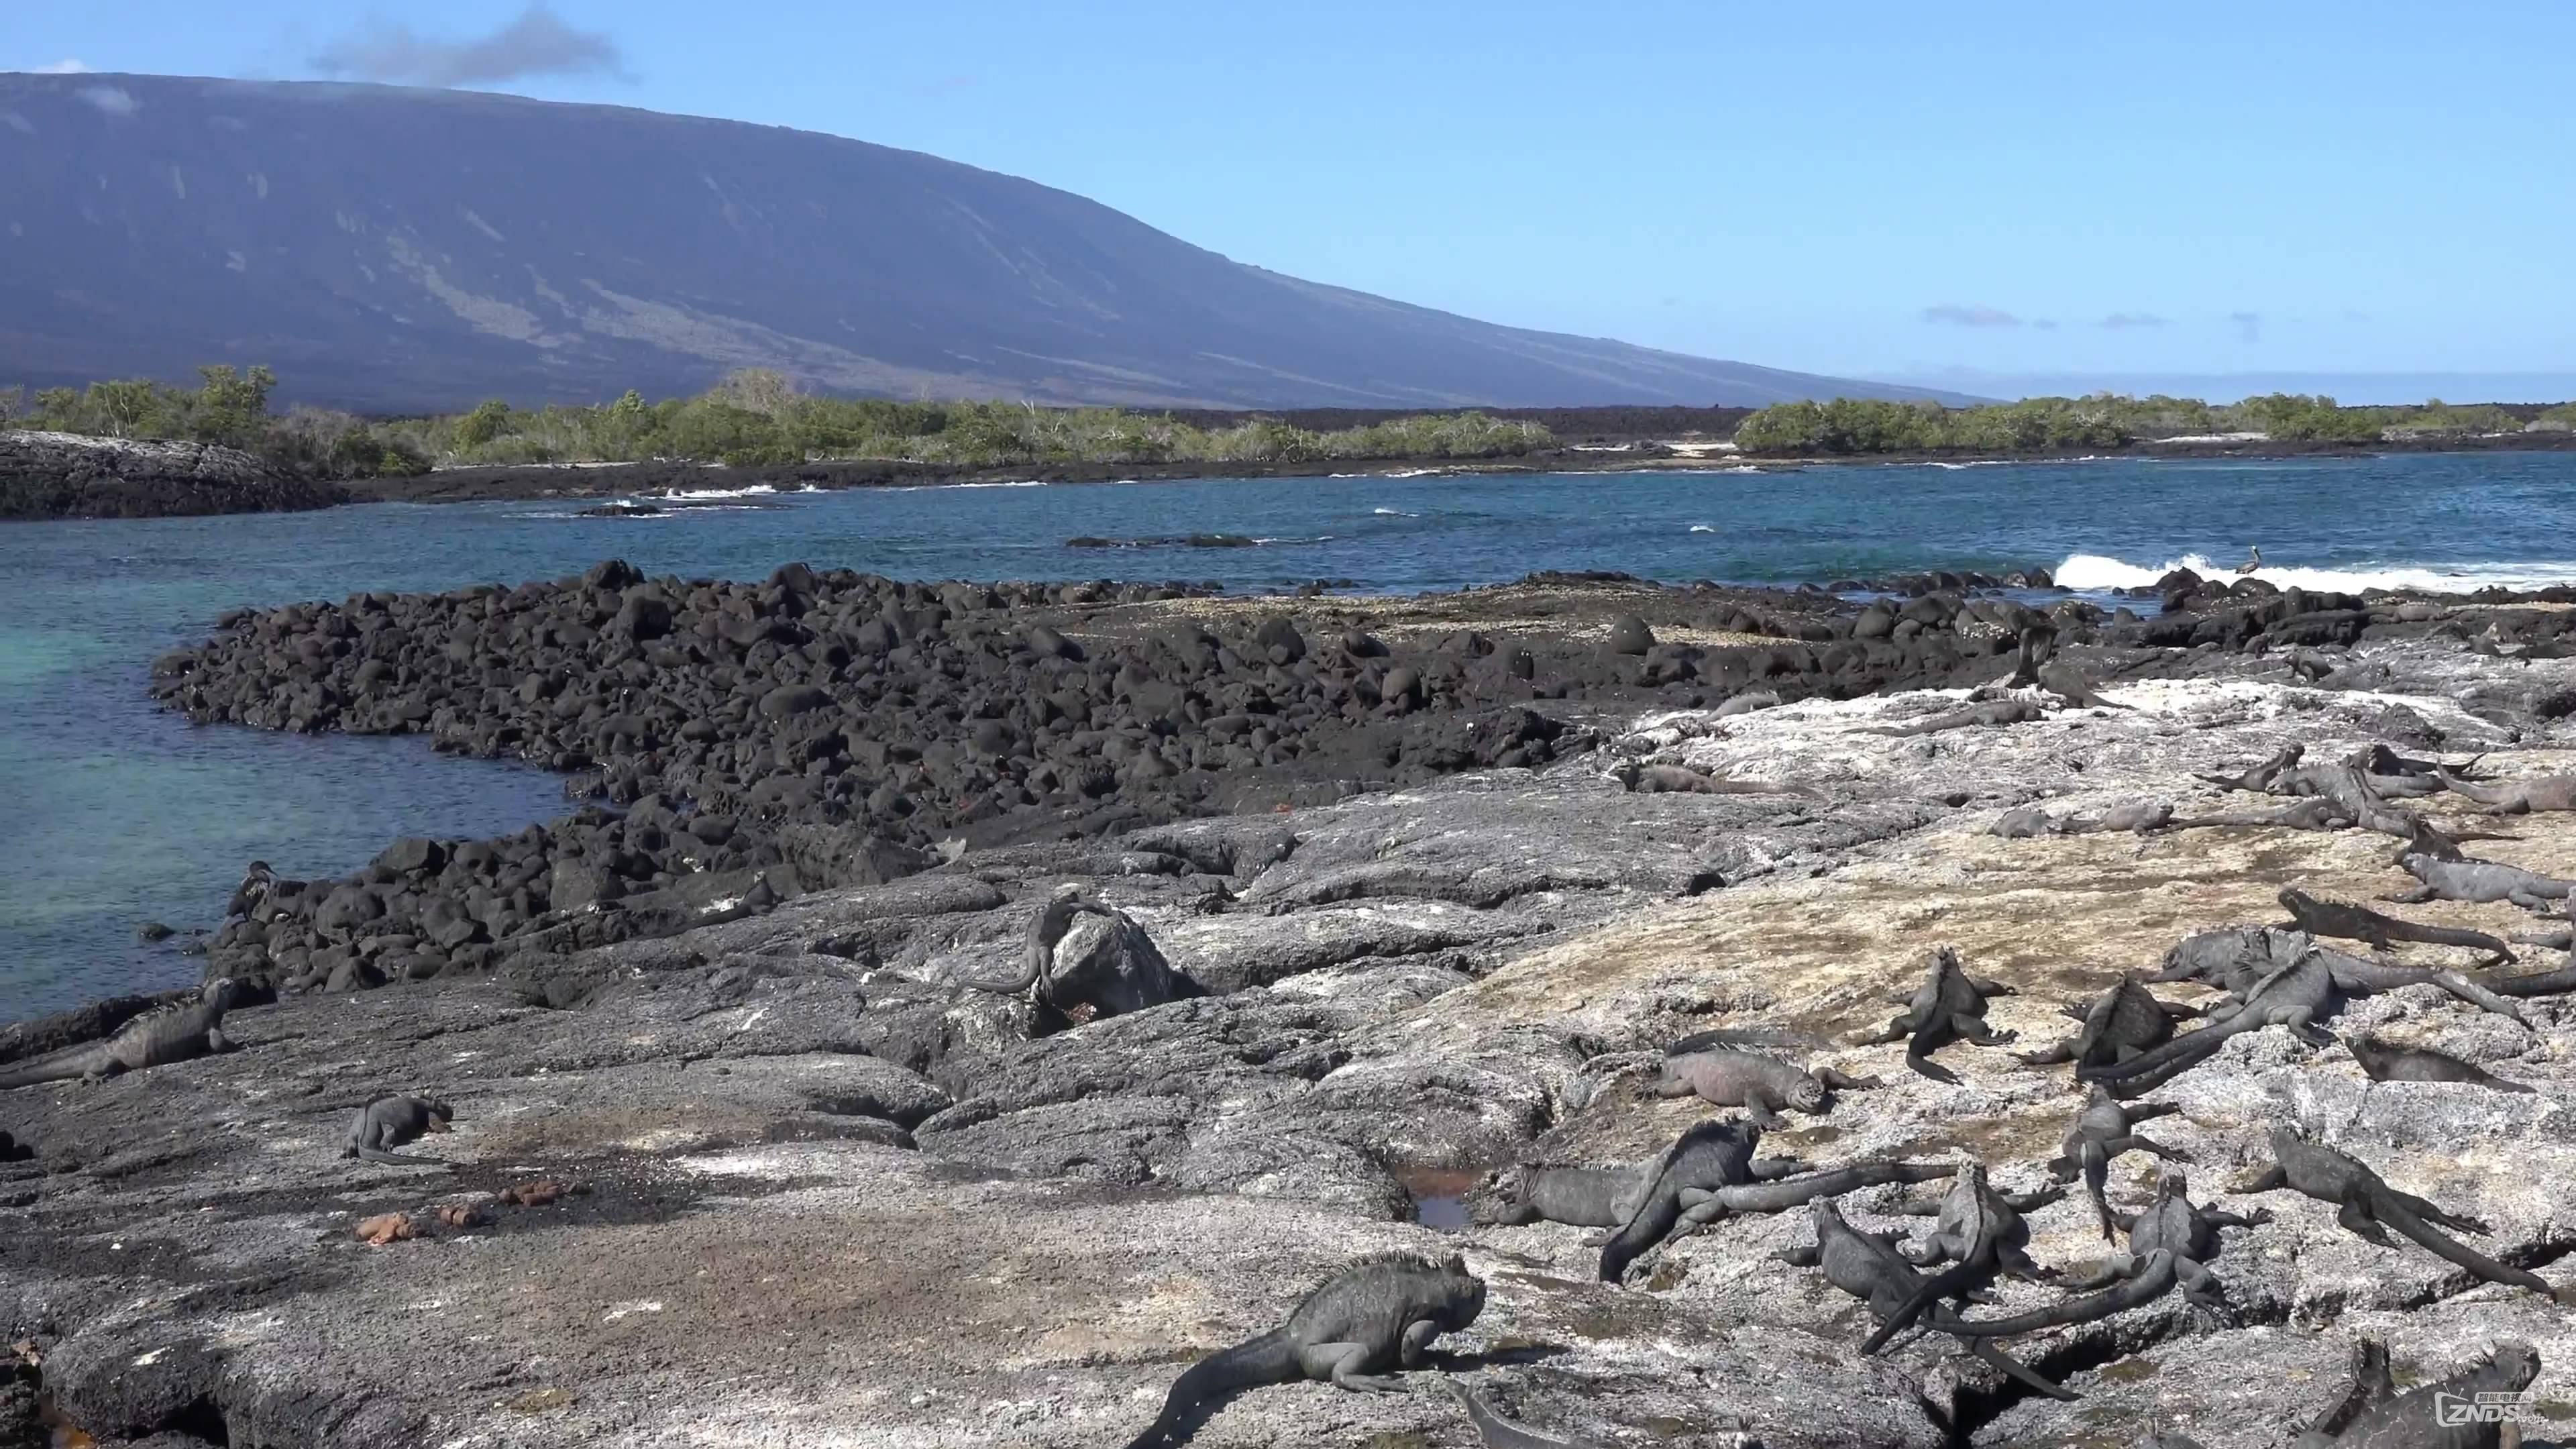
[1380, 895]
[65, 475]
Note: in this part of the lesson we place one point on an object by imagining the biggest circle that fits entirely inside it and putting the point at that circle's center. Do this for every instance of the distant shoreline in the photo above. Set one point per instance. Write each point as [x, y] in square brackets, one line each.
[658, 480]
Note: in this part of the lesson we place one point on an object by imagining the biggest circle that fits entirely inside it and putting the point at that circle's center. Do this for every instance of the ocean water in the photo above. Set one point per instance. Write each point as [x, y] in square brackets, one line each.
[117, 814]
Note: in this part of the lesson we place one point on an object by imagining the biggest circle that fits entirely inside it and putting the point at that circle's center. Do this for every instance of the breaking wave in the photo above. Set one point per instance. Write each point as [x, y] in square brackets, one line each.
[1702, 528]
[2092, 572]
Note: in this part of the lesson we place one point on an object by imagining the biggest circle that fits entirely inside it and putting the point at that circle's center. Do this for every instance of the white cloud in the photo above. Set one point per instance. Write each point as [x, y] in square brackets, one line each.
[114, 100]
[68, 65]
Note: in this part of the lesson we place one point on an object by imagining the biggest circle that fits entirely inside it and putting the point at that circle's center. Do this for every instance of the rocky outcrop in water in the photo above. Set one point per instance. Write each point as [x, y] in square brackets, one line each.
[66, 475]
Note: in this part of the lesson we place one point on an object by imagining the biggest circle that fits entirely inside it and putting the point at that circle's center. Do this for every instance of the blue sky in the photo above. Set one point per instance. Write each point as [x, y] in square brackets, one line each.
[1995, 191]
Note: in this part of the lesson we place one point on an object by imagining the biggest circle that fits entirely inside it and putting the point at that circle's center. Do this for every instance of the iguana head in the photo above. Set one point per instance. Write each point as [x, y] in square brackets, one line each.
[440, 1114]
[2515, 1361]
[1806, 1094]
[1464, 1293]
[221, 993]
[2171, 1185]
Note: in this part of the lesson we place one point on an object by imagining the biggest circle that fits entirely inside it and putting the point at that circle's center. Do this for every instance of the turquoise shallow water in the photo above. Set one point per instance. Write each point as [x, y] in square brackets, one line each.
[117, 814]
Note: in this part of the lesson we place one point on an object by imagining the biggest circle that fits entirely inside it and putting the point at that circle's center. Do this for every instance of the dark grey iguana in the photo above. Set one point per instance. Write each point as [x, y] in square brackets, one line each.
[1997, 712]
[2295, 995]
[2260, 777]
[2370, 1383]
[2068, 683]
[2237, 959]
[2373, 1415]
[1644, 779]
[2365, 1202]
[1037, 952]
[154, 1039]
[2387, 1062]
[1496, 1431]
[2536, 983]
[1949, 1006]
[2170, 1242]
[2106, 1129]
[2028, 823]
[1980, 1232]
[390, 1121]
[1710, 1172]
[2479, 881]
[2350, 922]
[1726, 1076]
[1868, 1267]
[1379, 1313]
[2517, 797]
[2117, 1025]
[2352, 790]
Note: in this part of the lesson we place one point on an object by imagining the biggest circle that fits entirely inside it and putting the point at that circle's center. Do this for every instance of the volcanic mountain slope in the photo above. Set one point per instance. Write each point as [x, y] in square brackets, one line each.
[389, 248]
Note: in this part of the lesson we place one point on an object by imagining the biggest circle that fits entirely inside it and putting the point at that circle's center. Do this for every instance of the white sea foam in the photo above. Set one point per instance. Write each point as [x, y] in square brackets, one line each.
[695, 495]
[1702, 528]
[1413, 472]
[2091, 572]
[1393, 513]
[1015, 483]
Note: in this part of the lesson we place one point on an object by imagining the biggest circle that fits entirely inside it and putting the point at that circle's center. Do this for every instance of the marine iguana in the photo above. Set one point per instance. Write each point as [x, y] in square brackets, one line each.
[2316, 812]
[1498, 1432]
[11, 1150]
[389, 1121]
[1644, 779]
[2537, 983]
[2260, 777]
[2479, 881]
[2140, 816]
[1046, 928]
[2118, 1024]
[2352, 790]
[2366, 1202]
[1981, 1231]
[2361, 923]
[2517, 797]
[1710, 1172]
[2293, 995]
[1949, 1006]
[2068, 683]
[2170, 1242]
[2106, 1129]
[1379, 1313]
[2028, 823]
[154, 1039]
[2032, 648]
[2373, 1415]
[2371, 1383]
[1727, 1077]
[252, 893]
[1868, 1267]
[2386, 1062]
[1997, 712]
[2237, 959]
[1584, 1196]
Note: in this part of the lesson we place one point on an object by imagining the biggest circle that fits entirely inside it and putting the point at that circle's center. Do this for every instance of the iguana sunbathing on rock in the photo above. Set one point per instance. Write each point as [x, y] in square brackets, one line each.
[388, 1122]
[1710, 1172]
[155, 1039]
[2479, 881]
[2314, 813]
[2373, 1415]
[2294, 995]
[2104, 1130]
[2385, 1062]
[2360, 923]
[1644, 779]
[1727, 1077]
[1868, 1267]
[1949, 1006]
[2235, 960]
[1997, 712]
[1377, 1314]
[2028, 823]
[2366, 1203]
[2170, 1242]
[2517, 797]
[1980, 1232]
[2117, 1025]
[2259, 778]
[1046, 928]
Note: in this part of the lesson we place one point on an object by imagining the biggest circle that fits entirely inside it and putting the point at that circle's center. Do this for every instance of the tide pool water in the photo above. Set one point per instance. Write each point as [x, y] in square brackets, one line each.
[117, 815]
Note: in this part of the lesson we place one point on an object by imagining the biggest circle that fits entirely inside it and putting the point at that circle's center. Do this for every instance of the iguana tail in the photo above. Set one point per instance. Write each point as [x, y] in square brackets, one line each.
[2013, 1368]
[2173, 1058]
[1497, 1431]
[2154, 1279]
[61, 1069]
[1658, 1208]
[1920, 1047]
[2401, 1217]
[1949, 1283]
[1784, 1193]
[2540, 983]
[1269, 1359]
